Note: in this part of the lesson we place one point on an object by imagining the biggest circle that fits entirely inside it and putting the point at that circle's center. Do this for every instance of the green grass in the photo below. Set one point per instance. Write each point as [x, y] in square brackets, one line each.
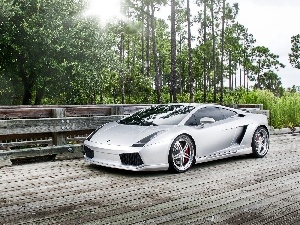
[284, 110]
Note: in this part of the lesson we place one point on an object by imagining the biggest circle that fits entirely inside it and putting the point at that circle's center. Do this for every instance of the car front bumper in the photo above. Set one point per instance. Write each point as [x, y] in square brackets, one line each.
[148, 158]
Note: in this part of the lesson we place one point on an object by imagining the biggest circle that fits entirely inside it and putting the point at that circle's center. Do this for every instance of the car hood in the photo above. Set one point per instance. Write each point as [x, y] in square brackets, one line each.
[125, 135]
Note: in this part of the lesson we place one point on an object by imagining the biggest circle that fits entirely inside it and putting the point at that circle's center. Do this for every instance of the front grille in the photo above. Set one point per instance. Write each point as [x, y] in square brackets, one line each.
[131, 159]
[88, 152]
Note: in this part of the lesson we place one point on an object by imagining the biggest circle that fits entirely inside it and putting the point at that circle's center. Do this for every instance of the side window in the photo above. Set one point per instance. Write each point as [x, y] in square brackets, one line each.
[214, 112]
[211, 111]
[227, 113]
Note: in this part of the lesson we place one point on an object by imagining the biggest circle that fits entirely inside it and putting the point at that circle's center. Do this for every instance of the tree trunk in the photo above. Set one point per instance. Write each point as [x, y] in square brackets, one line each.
[143, 39]
[148, 41]
[122, 70]
[235, 80]
[222, 57]
[181, 63]
[247, 81]
[230, 72]
[155, 57]
[214, 49]
[27, 94]
[240, 77]
[173, 76]
[204, 59]
[258, 76]
[244, 78]
[28, 83]
[39, 95]
[190, 63]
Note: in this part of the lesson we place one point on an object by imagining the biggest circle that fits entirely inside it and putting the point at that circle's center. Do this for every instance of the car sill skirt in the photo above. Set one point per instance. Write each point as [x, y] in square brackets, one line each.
[244, 151]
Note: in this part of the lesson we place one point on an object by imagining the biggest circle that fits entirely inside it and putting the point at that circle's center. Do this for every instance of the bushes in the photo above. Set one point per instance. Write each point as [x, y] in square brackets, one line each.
[284, 110]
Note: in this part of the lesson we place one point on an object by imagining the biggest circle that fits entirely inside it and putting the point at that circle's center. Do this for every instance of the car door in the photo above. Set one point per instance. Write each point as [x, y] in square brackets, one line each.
[235, 123]
[212, 139]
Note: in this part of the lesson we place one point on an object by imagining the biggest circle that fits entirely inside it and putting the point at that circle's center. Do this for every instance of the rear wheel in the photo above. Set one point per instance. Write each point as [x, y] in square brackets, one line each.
[260, 142]
[182, 154]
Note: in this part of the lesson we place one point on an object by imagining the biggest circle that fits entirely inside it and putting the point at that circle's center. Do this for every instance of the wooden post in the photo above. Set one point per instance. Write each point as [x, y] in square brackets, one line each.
[117, 110]
[61, 137]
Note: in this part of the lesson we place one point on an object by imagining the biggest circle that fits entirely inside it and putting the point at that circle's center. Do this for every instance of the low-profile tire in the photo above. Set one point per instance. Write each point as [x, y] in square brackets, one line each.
[182, 154]
[260, 142]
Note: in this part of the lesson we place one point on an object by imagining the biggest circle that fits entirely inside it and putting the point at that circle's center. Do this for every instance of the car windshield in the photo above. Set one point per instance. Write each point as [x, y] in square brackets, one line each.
[158, 115]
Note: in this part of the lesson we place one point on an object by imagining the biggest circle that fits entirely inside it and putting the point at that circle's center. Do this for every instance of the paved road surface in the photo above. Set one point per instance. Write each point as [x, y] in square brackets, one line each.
[239, 190]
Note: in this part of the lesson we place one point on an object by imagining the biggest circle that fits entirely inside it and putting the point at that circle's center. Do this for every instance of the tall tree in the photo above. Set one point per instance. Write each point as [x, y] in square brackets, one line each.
[264, 61]
[205, 57]
[270, 81]
[122, 57]
[155, 56]
[173, 76]
[212, 3]
[294, 57]
[148, 40]
[190, 58]
[222, 50]
[33, 38]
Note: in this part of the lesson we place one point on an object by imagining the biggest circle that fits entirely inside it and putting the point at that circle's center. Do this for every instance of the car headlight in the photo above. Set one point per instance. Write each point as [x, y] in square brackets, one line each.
[94, 132]
[145, 140]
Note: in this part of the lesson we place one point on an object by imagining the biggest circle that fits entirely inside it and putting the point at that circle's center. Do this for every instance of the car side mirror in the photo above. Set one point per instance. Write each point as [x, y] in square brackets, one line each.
[207, 120]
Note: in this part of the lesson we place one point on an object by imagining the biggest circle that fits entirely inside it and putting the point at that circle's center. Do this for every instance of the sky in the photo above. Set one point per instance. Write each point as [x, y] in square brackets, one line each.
[273, 23]
[105, 10]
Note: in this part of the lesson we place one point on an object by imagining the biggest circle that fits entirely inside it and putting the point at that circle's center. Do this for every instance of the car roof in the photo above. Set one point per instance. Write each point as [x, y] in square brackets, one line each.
[201, 105]
[190, 104]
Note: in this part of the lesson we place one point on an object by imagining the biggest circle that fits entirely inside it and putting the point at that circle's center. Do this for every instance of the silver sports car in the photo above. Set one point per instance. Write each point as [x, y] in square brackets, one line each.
[175, 136]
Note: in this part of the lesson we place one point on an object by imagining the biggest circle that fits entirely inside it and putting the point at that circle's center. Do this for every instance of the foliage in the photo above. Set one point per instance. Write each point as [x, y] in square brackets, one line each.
[284, 110]
[294, 57]
[263, 66]
[270, 81]
[51, 54]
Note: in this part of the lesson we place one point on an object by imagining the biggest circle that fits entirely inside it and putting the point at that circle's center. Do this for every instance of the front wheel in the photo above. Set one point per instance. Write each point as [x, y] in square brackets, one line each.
[260, 142]
[182, 154]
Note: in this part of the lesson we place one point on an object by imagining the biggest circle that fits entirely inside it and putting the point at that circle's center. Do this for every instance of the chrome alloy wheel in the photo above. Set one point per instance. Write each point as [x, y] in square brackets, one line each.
[260, 142]
[182, 153]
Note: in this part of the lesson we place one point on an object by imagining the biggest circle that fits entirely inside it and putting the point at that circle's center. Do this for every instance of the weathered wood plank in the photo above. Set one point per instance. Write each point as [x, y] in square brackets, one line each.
[25, 113]
[22, 113]
[31, 140]
[42, 135]
[25, 143]
[61, 152]
[47, 125]
[88, 111]
[44, 111]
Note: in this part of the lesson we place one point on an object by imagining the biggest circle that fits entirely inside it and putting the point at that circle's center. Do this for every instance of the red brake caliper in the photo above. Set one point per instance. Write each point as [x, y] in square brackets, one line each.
[186, 151]
[257, 137]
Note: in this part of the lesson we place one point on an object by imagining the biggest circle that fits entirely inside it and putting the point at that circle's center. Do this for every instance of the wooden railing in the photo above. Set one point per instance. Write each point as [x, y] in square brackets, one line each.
[57, 131]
